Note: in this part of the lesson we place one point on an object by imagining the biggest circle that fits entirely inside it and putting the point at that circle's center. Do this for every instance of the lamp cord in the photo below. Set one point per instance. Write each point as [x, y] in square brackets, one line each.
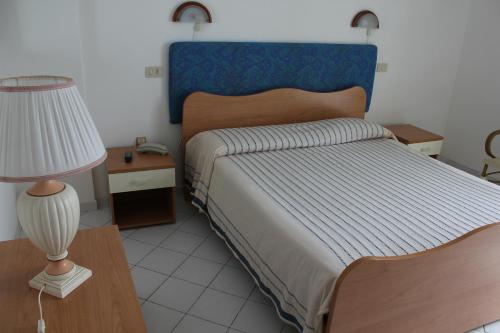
[41, 322]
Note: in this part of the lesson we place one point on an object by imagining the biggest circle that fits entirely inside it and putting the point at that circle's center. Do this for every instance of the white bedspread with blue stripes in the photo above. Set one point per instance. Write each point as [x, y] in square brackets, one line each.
[298, 212]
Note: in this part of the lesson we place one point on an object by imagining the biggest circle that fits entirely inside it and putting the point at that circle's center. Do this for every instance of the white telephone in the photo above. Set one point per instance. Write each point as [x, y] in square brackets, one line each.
[151, 147]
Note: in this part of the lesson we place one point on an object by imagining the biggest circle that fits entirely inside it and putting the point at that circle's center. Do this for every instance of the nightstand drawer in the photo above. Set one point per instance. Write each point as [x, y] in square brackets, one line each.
[428, 148]
[141, 180]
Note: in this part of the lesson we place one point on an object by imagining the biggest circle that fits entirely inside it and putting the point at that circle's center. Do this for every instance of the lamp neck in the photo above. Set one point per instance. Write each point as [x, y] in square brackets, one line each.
[45, 188]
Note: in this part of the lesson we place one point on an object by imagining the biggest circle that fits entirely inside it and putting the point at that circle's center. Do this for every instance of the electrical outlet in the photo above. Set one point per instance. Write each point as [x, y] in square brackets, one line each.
[382, 67]
[154, 71]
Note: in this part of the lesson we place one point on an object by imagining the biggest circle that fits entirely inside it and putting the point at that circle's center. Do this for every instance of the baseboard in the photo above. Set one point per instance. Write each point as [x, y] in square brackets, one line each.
[87, 206]
[102, 203]
[459, 166]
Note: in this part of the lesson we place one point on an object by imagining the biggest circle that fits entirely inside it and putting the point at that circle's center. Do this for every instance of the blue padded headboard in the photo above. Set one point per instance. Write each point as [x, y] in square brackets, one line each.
[242, 68]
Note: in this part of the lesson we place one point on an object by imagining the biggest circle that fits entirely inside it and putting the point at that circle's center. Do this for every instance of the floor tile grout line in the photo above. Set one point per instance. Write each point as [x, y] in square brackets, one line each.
[165, 306]
[174, 231]
[155, 246]
[243, 305]
[197, 284]
[210, 321]
[177, 228]
[227, 293]
[173, 272]
[144, 256]
[124, 237]
[199, 296]
[186, 314]
[238, 313]
[188, 255]
[178, 223]
[138, 264]
[247, 298]
[158, 246]
[184, 253]
[205, 288]
[240, 267]
[168, 276]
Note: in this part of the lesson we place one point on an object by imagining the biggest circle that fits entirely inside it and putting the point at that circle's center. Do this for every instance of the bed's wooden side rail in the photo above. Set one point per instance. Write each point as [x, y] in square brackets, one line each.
[449, 289]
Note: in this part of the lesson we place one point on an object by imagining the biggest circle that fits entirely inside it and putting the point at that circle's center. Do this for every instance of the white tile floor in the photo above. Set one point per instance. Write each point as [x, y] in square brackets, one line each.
[188, 281]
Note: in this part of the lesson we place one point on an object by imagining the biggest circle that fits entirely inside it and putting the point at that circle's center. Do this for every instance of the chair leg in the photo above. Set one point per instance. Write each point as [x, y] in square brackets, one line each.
[485, 171]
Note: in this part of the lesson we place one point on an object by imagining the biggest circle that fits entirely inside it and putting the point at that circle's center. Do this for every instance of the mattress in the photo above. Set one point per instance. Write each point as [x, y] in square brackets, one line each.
[298, 203]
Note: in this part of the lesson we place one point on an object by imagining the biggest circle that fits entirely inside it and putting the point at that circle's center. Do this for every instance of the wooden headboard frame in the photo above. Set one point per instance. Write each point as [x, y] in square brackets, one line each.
[203, 111]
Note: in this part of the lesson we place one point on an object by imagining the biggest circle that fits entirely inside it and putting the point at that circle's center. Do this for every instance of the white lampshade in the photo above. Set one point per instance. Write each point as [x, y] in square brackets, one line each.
[46, 131]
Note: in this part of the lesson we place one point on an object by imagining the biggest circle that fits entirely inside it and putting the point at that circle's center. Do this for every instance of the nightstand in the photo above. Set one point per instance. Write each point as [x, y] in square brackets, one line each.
[141, 192]
[418, 139]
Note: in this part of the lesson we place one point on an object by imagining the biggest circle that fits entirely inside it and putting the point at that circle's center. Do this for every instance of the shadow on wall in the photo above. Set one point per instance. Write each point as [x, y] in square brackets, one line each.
[8, 216]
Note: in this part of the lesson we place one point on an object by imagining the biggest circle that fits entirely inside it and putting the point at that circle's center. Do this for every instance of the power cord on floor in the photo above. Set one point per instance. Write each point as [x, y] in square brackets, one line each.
[41, 322]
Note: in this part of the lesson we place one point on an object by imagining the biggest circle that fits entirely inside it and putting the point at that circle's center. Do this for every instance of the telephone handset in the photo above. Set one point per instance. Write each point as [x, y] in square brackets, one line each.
[151, 147]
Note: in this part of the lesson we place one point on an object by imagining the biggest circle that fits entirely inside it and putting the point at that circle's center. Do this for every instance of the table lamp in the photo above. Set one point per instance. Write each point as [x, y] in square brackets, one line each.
[46, 133]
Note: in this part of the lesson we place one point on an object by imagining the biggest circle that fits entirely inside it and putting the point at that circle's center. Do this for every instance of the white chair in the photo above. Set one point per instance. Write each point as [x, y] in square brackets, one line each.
[491, 162]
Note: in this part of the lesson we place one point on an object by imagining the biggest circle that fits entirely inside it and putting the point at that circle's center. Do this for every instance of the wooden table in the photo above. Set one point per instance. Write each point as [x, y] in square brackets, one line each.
[106, 302]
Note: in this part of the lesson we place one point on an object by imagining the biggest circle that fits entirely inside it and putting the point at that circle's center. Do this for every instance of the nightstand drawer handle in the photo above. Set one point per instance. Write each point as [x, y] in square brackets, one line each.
[425, 149]
[139, 182]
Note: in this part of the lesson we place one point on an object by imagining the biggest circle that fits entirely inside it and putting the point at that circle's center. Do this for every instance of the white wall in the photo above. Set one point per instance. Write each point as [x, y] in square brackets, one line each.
[43, 37]
[475, 108]
[120, 37]
[421, 41]
[8, 217]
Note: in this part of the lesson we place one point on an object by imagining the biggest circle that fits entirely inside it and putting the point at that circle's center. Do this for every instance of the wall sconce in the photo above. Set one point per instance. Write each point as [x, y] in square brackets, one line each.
[192, 12]
[366, 19]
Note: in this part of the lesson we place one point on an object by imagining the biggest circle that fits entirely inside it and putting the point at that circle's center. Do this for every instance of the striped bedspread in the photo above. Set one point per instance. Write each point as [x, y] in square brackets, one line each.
[203, 149]
[298, 203]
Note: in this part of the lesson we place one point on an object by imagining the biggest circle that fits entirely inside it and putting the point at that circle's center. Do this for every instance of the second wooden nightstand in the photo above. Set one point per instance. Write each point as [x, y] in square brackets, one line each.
[142, 192]
[416, 138]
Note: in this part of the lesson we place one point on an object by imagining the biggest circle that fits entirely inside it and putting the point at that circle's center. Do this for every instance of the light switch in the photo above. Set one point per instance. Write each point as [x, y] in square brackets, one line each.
[154, 71]
[382, 67]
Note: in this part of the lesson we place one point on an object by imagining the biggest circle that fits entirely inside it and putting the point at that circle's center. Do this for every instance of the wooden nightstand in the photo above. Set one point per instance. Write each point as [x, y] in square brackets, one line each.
[142, 192]
[106, 302]
[416, 138]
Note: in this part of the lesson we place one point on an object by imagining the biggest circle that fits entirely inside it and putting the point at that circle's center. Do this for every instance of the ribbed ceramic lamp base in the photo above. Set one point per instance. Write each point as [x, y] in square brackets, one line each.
[50, 220]
[61, 287]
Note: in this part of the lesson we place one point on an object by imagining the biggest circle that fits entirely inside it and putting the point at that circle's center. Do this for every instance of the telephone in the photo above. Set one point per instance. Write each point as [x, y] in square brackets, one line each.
[151, 147]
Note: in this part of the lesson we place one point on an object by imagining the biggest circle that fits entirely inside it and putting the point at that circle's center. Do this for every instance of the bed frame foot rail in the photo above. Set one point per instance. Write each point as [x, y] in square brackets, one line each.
[449, 289]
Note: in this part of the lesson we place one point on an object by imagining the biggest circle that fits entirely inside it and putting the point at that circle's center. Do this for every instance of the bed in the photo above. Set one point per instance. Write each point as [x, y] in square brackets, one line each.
[344, 230]
[335, 219]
